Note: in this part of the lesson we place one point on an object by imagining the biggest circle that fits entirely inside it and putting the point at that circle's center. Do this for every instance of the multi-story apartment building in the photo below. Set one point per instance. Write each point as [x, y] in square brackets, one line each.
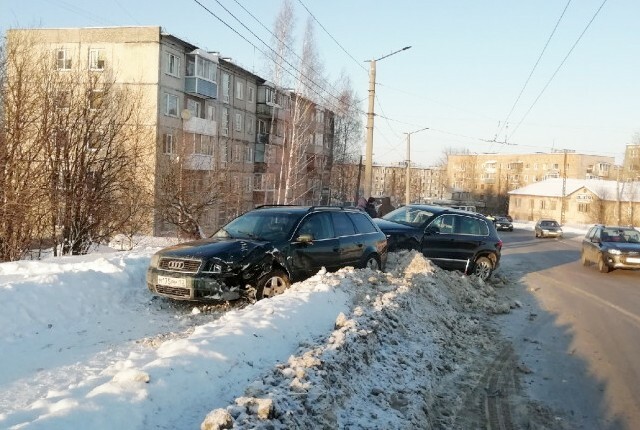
[426, 183]
[226, 127]
[489, 177]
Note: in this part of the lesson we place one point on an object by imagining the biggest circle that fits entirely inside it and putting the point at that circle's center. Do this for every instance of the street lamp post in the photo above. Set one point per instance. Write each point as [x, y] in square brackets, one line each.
[408, 178]
[368, 167]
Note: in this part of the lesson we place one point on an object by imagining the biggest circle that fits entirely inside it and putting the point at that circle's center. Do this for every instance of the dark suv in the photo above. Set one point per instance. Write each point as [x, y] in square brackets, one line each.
[261, 252]
[451, 238]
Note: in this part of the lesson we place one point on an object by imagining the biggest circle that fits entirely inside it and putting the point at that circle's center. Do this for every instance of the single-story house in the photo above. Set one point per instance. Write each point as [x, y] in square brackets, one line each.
[578, 201]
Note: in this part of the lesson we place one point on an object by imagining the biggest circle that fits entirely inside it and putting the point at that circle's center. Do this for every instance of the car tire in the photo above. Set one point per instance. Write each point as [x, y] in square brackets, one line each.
[583, 258]
[272, 284]
[372, 262]
[537, 234]
[483, 267]
[603, 267]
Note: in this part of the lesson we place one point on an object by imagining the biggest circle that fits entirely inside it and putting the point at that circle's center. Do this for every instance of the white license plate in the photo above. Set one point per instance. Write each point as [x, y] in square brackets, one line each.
[633, 260]
[172, 282]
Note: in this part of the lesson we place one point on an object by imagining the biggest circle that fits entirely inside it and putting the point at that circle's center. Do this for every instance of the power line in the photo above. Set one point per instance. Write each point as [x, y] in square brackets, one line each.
[560, 66]
[265, 54]
[333, 38]
[533, 69]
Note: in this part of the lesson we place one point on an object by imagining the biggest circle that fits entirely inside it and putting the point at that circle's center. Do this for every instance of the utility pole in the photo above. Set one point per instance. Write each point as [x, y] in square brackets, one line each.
[358, 186]
[407, 195]
[368, 168]
[564, 189]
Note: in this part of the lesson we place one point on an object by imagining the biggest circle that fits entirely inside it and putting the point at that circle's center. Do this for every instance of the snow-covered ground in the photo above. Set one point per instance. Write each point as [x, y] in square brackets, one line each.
[84, 345]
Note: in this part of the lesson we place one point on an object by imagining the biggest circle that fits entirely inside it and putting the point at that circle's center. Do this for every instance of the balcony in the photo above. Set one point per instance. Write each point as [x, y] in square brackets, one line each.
[201, 88]
[200, 126]
[262, 138]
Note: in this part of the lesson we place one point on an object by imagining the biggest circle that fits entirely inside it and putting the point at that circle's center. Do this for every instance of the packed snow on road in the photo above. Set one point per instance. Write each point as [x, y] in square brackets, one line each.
[85, 345]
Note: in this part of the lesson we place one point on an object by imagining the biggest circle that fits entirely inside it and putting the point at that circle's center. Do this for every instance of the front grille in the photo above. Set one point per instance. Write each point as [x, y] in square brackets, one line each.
[180, 265]
[173, 291]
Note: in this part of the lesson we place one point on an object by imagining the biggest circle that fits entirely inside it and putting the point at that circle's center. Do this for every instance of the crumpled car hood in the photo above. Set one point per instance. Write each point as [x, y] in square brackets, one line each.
[228, 250]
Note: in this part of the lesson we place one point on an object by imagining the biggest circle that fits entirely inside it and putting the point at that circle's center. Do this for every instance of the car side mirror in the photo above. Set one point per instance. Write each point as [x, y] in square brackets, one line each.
[305, 238]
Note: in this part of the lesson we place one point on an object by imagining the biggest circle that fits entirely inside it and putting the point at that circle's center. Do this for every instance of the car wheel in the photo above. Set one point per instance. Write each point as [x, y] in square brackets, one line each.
[603, 267]
[483, 268]
[272, 284]
[372, 263]
[584, 260]
[537, 234]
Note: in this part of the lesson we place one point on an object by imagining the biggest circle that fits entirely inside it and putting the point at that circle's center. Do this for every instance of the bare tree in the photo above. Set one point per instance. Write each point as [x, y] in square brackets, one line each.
[347, 140]
[20, 179]
[76, 139]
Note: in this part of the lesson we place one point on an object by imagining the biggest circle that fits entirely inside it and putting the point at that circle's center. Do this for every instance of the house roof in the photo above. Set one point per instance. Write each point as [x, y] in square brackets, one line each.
[604, 190]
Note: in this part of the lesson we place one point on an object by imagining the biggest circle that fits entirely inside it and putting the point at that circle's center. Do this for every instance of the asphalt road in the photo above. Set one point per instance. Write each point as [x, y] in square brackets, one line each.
[577, 334]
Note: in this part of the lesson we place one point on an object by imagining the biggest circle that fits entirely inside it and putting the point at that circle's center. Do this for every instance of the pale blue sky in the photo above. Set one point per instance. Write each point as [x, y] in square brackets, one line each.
[469, 60]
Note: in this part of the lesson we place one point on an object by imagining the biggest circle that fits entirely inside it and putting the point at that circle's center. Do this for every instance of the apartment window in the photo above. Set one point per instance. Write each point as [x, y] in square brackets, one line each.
[211, 112]
[236, 154]
[223, 154]
[170, 104]
[203, 145]
[258, 182]
[63, 59]
[167, 143]
[543, 204]
[96, 59]
[248, 182]
[250, 122]
[239, 90]
[238, 122]
[226, 90]
[95, 140]
[95, 99]
[262, 126]
[193, 107]
[251, 94]
[172, 64]
[62, 99]
[224, 130]
[583, 207]
[249, 155]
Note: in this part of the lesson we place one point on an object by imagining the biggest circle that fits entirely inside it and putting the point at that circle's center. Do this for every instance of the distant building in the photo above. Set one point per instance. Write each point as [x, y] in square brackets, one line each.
[578, 201]
[489, 177]
[215, 116]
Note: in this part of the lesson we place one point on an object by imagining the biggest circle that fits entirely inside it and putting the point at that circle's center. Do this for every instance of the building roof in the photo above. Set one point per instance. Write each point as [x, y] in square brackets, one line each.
[605, 190]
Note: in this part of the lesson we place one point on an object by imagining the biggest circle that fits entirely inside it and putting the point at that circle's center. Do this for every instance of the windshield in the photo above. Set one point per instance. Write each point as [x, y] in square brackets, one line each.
[409, 215]
[549, 224]
[259, 225]
[620, 235]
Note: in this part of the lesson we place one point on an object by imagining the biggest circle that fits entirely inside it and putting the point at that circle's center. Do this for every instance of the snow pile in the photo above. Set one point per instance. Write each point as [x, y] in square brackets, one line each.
[385, 363]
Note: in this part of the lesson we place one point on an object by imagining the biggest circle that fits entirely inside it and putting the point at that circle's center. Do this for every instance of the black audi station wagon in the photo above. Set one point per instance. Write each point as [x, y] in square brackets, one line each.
[260, 253]
[450, 238]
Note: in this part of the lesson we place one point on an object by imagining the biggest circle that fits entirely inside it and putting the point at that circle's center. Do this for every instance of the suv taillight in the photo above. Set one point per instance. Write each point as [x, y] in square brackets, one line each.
[499, 245]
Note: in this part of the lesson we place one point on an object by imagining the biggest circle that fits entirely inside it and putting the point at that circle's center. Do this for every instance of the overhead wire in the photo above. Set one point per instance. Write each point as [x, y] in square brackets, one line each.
[329, 104]
[559, 67]
[333, 38]
[533, 69]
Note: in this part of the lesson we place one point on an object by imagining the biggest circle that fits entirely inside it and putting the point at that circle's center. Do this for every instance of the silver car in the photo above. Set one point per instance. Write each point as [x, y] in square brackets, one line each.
[548, 228]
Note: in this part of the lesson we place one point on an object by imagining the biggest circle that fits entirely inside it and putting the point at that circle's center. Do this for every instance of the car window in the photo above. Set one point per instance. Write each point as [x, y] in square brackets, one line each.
[318, 225]
[592, 231]
[619, 235]
[469, 225]
[363, 223]
[342, 224]
[408, 215]
[443, 224]
[259, 225]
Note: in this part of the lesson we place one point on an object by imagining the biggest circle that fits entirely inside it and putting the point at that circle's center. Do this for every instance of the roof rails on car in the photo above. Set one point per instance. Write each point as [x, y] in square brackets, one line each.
[311, 208]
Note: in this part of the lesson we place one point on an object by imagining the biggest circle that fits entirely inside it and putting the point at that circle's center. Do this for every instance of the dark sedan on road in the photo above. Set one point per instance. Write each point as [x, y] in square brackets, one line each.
[260, 253]
[451, 238]
[502, 223]
[611, 248]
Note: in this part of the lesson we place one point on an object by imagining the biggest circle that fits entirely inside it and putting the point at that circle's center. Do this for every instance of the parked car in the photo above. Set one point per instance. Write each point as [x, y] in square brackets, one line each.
[502, 223]
[548, 228]
[451, 238]
[611, 248]
[260, 253]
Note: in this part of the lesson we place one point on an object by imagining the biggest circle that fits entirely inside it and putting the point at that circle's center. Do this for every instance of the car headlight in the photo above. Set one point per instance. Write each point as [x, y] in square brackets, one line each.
[155, 259]
[615, 252]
